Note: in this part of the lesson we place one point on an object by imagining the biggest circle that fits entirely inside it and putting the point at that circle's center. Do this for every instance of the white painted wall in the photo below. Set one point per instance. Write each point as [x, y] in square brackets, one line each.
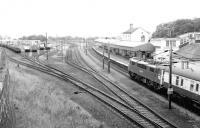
[136, 35]
[161, 46]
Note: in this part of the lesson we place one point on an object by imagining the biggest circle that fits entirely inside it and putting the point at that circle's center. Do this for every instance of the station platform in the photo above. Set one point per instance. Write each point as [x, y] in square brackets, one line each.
[178, 115]
[122, 60]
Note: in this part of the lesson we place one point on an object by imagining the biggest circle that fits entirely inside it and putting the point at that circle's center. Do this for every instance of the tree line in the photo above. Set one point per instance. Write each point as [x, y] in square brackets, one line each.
[42, 38]
[175, 28]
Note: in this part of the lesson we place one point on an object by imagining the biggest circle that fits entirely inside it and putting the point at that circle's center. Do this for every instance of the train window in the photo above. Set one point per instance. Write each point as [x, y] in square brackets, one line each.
[151, 69]
[197, 87]
[141, 66]
[177, 80]
[133, 63]
[181, 82]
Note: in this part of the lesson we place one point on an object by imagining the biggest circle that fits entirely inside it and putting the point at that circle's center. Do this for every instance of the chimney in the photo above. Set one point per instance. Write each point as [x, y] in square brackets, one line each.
[187, 64]
[131, 26]
[182, 64]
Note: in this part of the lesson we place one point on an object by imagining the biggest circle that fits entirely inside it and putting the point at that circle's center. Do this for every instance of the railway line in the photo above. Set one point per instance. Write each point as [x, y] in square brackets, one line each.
[180, 100]
[123, 94]
[132, 111]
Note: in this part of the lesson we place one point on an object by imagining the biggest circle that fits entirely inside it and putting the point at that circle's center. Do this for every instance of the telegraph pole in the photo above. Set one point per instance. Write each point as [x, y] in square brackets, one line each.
[61, 41]
[46, 46]
[86, 46]
[109, 57]
[170, 89]
[103, 56]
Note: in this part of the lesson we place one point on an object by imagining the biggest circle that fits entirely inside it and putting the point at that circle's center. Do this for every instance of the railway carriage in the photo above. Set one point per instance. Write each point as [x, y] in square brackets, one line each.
[185, 82]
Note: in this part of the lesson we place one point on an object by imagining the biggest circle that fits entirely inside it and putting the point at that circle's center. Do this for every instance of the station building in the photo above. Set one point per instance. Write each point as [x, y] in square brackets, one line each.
[162, 47]
[188, 38]
[134, 42]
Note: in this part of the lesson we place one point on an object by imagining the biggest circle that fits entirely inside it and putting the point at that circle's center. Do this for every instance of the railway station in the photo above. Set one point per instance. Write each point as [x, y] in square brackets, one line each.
[99, 64]
[134, 42]
[70, 60]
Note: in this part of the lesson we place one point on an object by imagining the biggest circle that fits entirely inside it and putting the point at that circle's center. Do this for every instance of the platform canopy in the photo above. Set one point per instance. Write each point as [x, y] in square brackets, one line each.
[191, 51]
[128, 45]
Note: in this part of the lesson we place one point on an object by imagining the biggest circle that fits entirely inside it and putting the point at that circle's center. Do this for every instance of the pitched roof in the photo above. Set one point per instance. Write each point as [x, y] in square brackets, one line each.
[191, 51]
[130, 30]
[148, 47]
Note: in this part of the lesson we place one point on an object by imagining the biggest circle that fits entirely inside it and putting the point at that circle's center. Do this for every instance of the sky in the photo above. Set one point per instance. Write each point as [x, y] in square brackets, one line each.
[89, 17]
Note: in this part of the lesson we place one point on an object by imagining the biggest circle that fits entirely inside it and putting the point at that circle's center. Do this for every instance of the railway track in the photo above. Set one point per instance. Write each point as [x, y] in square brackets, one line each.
[76, 61]
[121, 108]
[130, 113]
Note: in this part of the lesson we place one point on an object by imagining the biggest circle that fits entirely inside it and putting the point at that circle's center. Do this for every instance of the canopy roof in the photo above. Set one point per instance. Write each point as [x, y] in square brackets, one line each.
[128, 45]
[191, 51]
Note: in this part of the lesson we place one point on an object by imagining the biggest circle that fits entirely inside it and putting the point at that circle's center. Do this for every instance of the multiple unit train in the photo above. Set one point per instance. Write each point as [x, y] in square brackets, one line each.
[185, 82]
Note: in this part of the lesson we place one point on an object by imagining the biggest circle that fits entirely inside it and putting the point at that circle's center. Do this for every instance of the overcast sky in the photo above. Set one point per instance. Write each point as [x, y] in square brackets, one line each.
[89, 17]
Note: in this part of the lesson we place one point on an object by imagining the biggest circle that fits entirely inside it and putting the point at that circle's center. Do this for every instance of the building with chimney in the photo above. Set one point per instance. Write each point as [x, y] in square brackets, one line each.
[135, 34]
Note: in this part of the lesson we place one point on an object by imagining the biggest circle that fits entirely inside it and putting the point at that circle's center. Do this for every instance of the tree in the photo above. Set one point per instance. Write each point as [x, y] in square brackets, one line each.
[34, 37]
[178, 27]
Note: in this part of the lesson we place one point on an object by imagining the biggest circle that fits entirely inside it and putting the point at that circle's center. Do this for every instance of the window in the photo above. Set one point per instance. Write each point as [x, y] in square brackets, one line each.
[174, 43]
[167, 43]
[197, 87]
[151, 69]
[177, 80]
[133, 63]
[191, 86]
[181, 82]
[181, 41]
[141, 66]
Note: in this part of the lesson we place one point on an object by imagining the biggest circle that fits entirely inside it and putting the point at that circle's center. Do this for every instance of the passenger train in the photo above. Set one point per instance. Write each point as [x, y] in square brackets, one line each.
[185, 82]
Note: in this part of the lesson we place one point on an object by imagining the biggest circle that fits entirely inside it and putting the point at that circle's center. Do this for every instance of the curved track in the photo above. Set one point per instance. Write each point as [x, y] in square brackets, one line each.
[74, 59]
[130, 108]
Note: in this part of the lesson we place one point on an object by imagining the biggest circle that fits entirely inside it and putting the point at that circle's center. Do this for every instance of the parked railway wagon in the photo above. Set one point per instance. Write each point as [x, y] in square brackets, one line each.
[12, 48]
[184, 82]
[47, 48]
[26, 48]
[41, 48]
[34, 48]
